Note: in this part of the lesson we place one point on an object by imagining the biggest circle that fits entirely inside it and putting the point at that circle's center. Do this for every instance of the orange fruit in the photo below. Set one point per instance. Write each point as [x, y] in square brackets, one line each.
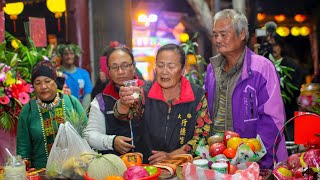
[250, 145]
[238, 171]
[230, 153]
[245, 139]
[113, 178]
[256, 143]
[234, 143]
[132, 159]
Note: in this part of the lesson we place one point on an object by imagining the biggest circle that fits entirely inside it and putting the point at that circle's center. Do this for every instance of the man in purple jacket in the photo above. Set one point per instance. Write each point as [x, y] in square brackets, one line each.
[243, 88]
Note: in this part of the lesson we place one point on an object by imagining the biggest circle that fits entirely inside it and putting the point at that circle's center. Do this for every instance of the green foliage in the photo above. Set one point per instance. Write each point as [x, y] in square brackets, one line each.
[196, 75]
[316, 108]
[20, 58]
[78, 121]
[285, 78]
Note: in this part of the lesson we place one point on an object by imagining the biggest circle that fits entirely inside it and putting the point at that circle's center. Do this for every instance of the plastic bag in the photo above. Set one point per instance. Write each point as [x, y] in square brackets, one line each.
[250, 172]
[70, 154]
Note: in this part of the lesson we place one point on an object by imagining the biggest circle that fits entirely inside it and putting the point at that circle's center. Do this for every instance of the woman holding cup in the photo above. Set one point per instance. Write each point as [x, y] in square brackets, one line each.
[174, 111]
[104, 131]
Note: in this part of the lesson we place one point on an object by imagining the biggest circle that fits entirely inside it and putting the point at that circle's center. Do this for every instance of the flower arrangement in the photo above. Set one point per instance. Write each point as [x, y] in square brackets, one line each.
[14, 92]
[16, 62]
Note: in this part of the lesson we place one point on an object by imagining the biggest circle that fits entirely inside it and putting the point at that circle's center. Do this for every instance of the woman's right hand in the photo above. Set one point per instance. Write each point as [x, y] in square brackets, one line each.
[122, 144]
[126, 95]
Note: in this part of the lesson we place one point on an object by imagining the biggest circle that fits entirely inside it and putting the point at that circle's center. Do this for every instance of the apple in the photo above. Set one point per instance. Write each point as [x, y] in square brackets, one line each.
[298, 173]
[151, 170]
[233, 169]
[294, 161]
[216, 148]
[229, 134]
[215, 139]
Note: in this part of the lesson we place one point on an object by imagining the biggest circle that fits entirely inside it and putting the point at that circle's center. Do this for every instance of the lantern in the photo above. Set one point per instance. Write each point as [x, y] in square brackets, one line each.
[304, 31]
[295, 31]
[13, 10]
[280, 17]
[283, 31]
[57, 7]
[261, 16]
[300, 18]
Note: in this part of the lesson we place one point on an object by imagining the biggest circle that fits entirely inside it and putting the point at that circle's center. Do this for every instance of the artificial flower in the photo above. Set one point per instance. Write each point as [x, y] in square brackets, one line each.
[2, 76]
[4, 100]
[24, 98]
[9, 79]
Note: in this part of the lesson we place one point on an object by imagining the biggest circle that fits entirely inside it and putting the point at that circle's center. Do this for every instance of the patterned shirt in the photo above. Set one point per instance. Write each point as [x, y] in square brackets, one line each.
[226, 82]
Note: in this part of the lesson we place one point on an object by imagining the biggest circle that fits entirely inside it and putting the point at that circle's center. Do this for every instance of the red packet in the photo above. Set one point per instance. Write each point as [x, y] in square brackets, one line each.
[103, 65]
[38, 32]
[1, 26]
[305, 127]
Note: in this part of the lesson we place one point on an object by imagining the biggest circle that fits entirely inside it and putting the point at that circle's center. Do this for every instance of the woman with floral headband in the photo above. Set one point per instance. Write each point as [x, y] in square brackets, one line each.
[39, 120]
[77, 79]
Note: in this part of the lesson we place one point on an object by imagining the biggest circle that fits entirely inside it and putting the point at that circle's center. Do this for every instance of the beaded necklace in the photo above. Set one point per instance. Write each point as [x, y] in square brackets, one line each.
[49, 106]
[45, 130]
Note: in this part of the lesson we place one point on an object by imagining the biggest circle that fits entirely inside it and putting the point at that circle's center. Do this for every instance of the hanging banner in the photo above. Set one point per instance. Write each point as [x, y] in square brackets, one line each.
[1, 26]
[38, 32]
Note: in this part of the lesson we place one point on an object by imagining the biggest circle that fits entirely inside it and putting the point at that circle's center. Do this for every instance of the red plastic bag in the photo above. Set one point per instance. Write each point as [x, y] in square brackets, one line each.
[250, 172]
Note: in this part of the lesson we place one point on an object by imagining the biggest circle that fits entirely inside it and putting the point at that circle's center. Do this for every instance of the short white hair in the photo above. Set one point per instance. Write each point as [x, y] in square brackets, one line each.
[239, 20]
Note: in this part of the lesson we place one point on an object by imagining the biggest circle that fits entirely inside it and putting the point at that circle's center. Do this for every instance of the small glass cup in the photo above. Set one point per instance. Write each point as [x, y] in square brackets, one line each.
[15, 169]
[133, 82]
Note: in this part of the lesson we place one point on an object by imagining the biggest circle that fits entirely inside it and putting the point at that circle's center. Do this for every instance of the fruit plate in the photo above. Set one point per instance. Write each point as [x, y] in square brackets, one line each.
[152, 177]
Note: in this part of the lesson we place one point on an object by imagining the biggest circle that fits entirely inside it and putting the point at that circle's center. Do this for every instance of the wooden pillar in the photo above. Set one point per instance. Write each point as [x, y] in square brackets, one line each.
[2, 3]
[111, 21]
[77, 29]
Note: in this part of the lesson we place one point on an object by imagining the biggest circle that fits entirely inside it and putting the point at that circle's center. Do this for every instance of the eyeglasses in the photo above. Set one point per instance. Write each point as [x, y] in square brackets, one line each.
[122, 66]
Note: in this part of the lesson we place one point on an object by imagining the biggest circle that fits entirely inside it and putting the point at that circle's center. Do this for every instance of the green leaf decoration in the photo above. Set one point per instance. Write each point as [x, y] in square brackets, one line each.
[6, 121]
[78, 121]
[73, 47]
[197, 75]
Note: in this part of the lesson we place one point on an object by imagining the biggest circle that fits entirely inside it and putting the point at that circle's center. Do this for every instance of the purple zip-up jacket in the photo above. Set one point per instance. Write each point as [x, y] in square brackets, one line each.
[257, 106]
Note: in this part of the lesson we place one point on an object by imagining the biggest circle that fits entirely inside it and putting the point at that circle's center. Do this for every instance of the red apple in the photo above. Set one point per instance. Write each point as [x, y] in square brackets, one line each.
[294, 161]
[298, 173]
[217, 138]
[229, 134]
[216, 148]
